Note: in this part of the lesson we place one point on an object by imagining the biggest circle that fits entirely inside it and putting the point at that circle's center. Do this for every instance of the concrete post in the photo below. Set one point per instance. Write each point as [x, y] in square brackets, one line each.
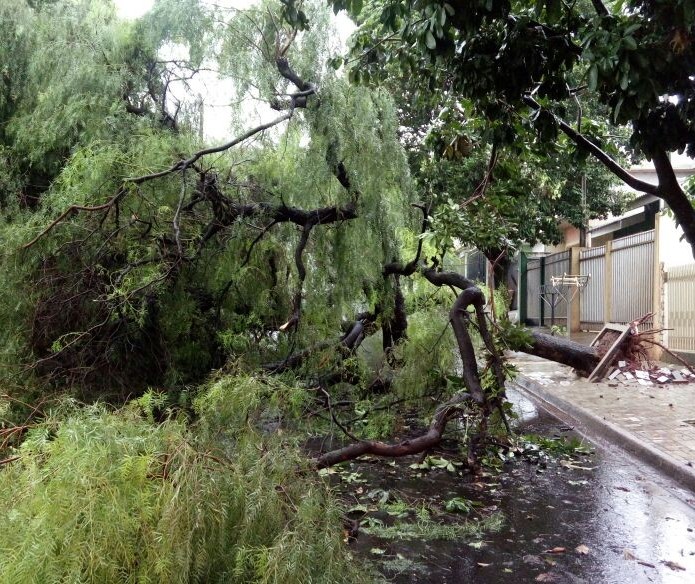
[522, 293]
[658, 289]
[574, 309]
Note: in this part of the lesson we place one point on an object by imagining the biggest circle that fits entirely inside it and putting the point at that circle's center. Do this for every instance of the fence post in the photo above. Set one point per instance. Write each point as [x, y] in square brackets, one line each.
[574, 308]
[541, 321]
[658, 289]
[523, 289]
[608, 284]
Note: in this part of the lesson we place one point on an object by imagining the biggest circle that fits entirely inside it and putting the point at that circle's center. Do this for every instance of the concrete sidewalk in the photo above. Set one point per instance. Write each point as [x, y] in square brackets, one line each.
[654, 423]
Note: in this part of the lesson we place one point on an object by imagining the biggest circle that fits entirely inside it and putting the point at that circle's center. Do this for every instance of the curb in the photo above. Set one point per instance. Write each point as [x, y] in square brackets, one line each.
[590, 425]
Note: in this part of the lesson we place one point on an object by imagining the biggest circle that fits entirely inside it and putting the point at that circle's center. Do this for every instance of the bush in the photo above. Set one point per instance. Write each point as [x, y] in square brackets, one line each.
[108, 496]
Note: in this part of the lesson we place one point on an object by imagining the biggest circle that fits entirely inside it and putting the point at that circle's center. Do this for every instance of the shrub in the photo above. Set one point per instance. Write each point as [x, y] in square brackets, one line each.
[108, 496]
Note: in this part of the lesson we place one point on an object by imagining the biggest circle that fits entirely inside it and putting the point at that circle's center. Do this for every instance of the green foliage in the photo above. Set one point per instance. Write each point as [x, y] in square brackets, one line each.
[514, 337]
[87, 107]
[427, 355]
[425, 527]
[436, 462]
[558, 330]
[104, 496]
[459, 505]
[556, 446]
[375, 424]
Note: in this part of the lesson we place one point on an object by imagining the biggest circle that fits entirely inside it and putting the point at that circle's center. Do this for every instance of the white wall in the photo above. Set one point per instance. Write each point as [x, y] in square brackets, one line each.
[672, 250]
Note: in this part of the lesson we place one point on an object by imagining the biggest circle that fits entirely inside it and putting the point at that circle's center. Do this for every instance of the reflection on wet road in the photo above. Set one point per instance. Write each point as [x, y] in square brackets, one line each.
[608, 518]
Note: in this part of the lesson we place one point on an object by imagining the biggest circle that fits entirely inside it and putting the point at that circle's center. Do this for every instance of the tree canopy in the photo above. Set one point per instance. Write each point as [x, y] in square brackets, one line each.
[230, 298]
[524, 66]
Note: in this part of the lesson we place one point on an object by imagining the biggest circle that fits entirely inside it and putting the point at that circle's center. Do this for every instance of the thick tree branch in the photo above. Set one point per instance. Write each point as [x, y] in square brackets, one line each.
[603, 157]
[671, 192]
[561, 350]
[293, 322]
[421, 443]
[290, 74]
[447, 279]
[470, 296]
[458, 317]
[600, 8]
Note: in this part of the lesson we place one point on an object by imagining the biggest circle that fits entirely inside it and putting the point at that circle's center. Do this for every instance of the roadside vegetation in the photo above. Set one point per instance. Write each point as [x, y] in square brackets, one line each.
[194, 336]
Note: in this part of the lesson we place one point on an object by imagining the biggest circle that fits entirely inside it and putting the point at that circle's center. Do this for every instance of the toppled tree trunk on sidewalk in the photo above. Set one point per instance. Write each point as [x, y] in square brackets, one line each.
[631, 346]
[561, 350]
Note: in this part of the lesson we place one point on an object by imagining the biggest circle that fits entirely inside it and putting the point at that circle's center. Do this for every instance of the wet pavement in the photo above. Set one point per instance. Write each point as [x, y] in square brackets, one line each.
[585, 518]
[661, 417]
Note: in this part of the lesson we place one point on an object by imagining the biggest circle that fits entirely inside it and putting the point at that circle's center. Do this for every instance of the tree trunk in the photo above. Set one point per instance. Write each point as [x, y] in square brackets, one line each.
[501, 263]
[561, 350]
[395, 329]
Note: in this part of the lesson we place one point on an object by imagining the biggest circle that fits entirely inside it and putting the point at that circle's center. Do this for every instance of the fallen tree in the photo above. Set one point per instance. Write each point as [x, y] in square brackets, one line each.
[260, 265]
[562, 350]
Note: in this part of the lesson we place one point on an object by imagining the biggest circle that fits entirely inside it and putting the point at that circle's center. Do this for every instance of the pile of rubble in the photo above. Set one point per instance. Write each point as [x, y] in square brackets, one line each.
[629, 373]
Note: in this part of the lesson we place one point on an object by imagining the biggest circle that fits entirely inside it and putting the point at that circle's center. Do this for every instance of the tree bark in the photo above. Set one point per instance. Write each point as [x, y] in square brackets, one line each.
[561, 350]
[501, 263]
[668, 189]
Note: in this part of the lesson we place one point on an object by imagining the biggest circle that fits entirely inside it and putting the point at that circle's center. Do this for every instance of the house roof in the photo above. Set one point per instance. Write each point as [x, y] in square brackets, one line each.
[683, 166]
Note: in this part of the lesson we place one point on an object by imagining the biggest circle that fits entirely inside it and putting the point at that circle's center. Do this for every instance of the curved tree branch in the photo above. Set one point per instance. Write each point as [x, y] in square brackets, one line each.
[671, 192]
[470, 296]
[602, 156]
[432, 437]
[293, 321]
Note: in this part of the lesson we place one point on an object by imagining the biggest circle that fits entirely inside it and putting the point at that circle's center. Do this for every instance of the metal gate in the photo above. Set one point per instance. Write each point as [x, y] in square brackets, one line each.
[592, 263]
[681, 308]
[632, 263]
[557, 264]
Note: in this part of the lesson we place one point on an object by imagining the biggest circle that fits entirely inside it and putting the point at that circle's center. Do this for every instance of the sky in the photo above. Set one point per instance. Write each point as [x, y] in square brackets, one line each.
[133, 8]
[214, 91]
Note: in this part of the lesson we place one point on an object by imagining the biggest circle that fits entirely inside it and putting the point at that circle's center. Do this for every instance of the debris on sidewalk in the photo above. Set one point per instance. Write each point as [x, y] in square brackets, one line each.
[628, 372]
[629, 348]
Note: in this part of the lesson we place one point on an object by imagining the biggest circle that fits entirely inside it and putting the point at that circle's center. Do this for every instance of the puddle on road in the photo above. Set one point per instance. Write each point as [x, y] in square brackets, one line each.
[630, 529]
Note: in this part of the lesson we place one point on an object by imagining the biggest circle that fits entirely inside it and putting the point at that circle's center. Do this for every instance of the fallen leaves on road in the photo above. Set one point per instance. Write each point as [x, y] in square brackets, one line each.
[556, 550]
[569, 464]
[546, 577]
[582, 550]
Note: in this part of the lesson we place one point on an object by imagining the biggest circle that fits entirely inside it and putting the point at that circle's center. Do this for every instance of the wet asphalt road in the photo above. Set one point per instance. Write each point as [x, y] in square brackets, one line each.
[629, 524]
